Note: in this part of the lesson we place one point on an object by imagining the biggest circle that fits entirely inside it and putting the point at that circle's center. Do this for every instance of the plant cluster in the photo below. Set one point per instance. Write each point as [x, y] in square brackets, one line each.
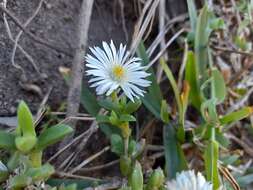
[22, 167]
[127, 82]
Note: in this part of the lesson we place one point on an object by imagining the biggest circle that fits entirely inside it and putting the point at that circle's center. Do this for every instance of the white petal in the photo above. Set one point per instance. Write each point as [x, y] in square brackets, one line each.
[136, 90]
[101, 89]
[127, 54]
[121, 53]
[100, 83]
[108, 51]
[95, 72]
[100, 54]
[93, 61]
[133, 60]
[114, 52]
[128, 92]
[112, 88]
[95, 79]
[140, 82]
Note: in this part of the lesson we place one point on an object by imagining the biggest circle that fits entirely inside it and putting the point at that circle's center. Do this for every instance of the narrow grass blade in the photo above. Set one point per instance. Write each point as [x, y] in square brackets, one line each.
[174, 156]
[153, 98]
[211, 163]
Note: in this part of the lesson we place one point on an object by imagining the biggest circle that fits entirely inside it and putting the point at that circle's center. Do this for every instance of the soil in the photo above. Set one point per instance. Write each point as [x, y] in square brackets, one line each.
[56, 23]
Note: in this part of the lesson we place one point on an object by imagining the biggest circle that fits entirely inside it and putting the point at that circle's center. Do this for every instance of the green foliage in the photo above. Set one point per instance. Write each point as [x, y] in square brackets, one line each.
[7, 140]
[181, 102]
[174, 156]
[26, 150]
[20, 181]
[236, 116]
[164, 112]
[117, 144]
[25, 120]
[218, 86]
[191, 76]
[201, 43]
[125, 165]
[153, 97]
[211, 163]
[52, 135]
[136, 177]
[203, 87]
[26, 136]
[79, 184]
[156, 180]
[192, 14]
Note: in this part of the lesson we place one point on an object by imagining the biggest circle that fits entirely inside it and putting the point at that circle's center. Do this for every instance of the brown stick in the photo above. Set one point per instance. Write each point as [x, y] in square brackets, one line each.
[78, 66]
[29, 34]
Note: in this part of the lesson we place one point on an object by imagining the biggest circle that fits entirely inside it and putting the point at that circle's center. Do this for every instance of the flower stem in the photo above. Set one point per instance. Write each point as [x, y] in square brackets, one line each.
[126, 142]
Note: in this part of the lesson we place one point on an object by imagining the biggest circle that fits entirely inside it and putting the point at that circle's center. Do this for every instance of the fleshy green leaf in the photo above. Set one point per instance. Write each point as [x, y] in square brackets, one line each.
[25, 143]
[89, 101]
[108, 130]
[14, 160]
[81, 183]
[126, 118]
[108, 105]
[132, 106]
[20, 181]
[103, 119]
[53, 135]
[41, 173]
[156, 180]
[7, 140]
[132, 148]
[136, 177]
[117, 145]
[25, 120]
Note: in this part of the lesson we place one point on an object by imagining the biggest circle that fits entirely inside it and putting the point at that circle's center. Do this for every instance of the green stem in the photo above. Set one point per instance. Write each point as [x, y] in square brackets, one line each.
[213, 133]
[36, 158]
[126, 142]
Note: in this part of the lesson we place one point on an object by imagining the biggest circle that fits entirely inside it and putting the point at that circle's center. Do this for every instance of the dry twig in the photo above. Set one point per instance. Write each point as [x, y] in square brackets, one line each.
[77, 65]
[88, 160]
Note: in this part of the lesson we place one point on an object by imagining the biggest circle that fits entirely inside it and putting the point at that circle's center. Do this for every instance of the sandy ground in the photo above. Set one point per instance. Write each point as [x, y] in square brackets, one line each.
[56, 23]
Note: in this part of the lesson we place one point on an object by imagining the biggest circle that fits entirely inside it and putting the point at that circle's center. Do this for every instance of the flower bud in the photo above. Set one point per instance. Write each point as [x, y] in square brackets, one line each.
[125, 165]
[136, 177]
[156, 180]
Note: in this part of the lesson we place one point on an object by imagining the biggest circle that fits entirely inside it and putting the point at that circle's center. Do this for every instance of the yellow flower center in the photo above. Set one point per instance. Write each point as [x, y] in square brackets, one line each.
[118, 72]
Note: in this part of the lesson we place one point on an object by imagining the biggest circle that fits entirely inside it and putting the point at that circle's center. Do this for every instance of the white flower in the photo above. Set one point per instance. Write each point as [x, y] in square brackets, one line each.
[112, 69]
[188, 180]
